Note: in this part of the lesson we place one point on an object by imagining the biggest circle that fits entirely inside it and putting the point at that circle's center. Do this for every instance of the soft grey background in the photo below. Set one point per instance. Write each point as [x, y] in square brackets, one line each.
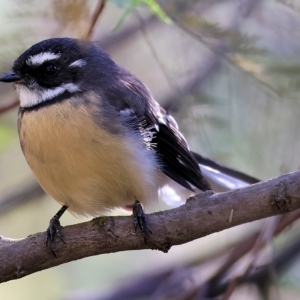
[232, 83]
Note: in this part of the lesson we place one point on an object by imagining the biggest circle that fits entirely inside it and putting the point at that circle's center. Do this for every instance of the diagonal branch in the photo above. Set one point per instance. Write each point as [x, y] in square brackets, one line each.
[202, 215]
[95, 17]
[6, 107]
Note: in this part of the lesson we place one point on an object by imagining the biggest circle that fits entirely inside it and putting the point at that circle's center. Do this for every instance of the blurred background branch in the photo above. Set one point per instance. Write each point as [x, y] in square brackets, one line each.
[9, 106]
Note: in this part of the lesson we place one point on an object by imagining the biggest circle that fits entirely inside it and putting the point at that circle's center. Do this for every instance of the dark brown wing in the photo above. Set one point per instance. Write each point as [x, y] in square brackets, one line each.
[176, 160]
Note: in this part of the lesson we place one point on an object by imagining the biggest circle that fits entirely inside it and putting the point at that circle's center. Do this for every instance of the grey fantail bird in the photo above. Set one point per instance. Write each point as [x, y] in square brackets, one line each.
[95, 137]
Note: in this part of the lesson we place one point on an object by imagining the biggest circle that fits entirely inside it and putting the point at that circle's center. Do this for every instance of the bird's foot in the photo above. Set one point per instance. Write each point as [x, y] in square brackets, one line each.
[54, 230]
[140, 219]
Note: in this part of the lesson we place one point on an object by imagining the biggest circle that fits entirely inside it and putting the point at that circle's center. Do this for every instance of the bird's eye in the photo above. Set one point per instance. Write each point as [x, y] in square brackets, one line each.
[49, 69]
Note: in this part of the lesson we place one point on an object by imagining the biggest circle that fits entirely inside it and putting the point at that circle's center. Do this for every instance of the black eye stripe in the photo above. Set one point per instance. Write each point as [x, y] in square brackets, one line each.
[51, 73]
[49, 69]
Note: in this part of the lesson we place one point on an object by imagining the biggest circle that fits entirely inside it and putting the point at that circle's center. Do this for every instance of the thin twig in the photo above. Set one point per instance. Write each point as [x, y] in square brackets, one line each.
[9, 106]
[172, 84]
[244, 246]
[240, 250]
[24, 193]
[216, 48]
[260, 274]
[265, 236]
[95, 17]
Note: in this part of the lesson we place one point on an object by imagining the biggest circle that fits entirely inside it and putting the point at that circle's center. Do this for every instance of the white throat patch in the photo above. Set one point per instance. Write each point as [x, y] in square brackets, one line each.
[39, 59]
[29, 98]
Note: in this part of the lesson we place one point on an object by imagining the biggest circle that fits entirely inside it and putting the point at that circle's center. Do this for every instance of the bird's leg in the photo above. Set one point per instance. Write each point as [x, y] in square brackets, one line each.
[140, 219]
[54, 229]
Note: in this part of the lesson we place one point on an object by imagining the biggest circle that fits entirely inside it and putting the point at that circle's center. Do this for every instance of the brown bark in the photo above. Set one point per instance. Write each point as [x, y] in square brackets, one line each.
[202, 215]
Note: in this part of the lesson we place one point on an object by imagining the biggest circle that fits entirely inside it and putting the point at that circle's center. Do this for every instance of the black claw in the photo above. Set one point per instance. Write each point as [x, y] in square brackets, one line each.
[140, 219]
[54, 230]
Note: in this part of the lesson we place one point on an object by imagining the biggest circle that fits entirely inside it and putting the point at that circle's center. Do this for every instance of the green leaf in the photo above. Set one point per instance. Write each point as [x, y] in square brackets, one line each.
[129, 5]
[155, 8]
[6, 135]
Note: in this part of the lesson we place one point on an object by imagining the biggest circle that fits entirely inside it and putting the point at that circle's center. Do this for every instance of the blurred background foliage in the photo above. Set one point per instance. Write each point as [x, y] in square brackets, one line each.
[229, 72]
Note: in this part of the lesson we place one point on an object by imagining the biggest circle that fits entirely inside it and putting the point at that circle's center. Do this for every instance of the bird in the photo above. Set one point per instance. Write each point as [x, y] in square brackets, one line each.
[95, 137]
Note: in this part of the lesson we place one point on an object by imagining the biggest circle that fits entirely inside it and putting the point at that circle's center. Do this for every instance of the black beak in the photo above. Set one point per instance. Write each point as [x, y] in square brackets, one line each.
[10, 77]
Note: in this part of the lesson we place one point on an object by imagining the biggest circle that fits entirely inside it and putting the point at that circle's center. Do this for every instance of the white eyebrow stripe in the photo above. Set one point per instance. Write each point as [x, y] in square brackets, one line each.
[78, 63]
[40, 58]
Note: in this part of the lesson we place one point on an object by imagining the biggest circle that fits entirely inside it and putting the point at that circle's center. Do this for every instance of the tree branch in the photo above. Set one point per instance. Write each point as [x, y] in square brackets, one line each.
[4, 108]
[95, 17]
[201, 215]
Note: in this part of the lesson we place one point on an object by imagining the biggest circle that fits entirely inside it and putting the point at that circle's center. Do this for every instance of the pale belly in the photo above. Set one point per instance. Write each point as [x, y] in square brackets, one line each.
[83, 166]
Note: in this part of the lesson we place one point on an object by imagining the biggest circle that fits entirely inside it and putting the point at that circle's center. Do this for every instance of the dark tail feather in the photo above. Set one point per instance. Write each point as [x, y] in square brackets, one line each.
[222, 178]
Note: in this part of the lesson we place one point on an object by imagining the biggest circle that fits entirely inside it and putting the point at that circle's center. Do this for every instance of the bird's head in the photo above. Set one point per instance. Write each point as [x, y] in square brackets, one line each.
[55, 69]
